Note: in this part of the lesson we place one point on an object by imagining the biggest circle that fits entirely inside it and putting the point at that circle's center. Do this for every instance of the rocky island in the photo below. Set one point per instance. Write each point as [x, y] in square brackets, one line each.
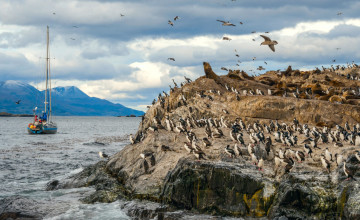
[5, 114]
[281, 145]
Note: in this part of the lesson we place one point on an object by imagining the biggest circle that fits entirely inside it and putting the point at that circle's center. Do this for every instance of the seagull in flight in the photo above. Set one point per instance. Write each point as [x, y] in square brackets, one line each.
[339, 13]
[176, 17]
[18, 102]
[226, 23]
[75, 26]
[122, 15]
[72, 38]
[269, 42]
[171, 23]
[171, 58]
[223, 68]
[226, 38]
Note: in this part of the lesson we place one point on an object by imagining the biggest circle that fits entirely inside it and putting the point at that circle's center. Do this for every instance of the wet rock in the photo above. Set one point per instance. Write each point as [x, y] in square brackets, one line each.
[221, 188]
[91, 175]
[108, 189]
[18, 207]
[52, 185]
[305, 196]
[349, 201]
[137, 209]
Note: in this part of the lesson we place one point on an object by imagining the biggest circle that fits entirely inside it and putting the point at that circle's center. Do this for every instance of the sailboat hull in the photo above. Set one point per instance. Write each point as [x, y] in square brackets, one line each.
[45, 129]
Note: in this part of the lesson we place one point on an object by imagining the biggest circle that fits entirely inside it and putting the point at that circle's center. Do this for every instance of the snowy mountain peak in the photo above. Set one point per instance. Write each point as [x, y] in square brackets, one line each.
[13, 84]
[69, 91]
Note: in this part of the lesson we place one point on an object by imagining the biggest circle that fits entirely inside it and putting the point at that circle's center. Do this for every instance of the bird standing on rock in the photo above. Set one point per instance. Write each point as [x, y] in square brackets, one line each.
[254, 159]
[308, 150]
[325, 163]
[261, 164]
[188, 147]
[103, 155]
[290, 165]
[328, 155]
[230, 151]
[357, 155]
[349, 173]
[132, 141]
[206, 142]
[237, 150]
[338, 159]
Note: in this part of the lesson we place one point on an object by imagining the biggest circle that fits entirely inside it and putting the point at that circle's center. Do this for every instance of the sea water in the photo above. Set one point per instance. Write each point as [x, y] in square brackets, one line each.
[28, 162]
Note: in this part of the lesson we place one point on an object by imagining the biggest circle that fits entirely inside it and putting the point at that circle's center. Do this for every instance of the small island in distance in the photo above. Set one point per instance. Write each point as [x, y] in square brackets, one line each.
[5, 114]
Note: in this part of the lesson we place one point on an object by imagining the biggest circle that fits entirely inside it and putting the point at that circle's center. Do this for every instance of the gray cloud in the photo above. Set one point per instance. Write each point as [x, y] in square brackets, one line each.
[17, 67]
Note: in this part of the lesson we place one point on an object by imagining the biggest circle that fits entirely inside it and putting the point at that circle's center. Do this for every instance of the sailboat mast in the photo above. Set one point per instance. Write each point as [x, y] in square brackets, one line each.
[47, 69]
[49, 80]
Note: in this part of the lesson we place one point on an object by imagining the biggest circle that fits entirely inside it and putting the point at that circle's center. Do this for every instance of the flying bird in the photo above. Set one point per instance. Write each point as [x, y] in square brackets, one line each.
[18, 102]
[171, 23]
[269, 42]
[72, 38]
[223, 68]
[171, 58]
[74, 26]
[339, 13]
[226, 38]
[122, 15]
[176, 17]
[241, 22]
[226, 23]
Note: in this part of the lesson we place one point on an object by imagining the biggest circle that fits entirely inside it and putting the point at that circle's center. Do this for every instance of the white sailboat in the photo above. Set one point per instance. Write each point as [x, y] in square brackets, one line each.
[44, 123]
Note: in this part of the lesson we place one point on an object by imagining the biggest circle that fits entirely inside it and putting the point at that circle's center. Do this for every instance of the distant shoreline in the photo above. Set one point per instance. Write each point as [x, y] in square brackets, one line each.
[5, 114]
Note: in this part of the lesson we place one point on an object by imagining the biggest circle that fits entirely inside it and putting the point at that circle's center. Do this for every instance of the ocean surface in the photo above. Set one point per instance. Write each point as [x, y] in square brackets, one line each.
[28, 162]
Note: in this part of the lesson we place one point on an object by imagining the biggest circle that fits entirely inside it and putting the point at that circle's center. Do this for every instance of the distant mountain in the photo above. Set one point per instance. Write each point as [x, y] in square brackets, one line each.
[66, 101]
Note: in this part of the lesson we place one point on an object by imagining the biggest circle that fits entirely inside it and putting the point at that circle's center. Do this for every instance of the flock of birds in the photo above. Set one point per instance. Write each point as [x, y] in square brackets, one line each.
[261, 147]
[263, 142]
[267, 40]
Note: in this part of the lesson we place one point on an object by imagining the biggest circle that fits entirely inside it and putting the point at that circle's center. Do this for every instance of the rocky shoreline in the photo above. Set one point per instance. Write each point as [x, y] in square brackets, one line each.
[220, 185]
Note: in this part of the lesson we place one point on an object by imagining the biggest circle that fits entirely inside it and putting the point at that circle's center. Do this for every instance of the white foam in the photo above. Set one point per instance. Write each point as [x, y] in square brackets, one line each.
[98, 211]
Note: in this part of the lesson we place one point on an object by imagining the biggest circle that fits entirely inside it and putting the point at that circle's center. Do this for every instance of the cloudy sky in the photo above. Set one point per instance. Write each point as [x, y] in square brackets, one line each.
[119, 49]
